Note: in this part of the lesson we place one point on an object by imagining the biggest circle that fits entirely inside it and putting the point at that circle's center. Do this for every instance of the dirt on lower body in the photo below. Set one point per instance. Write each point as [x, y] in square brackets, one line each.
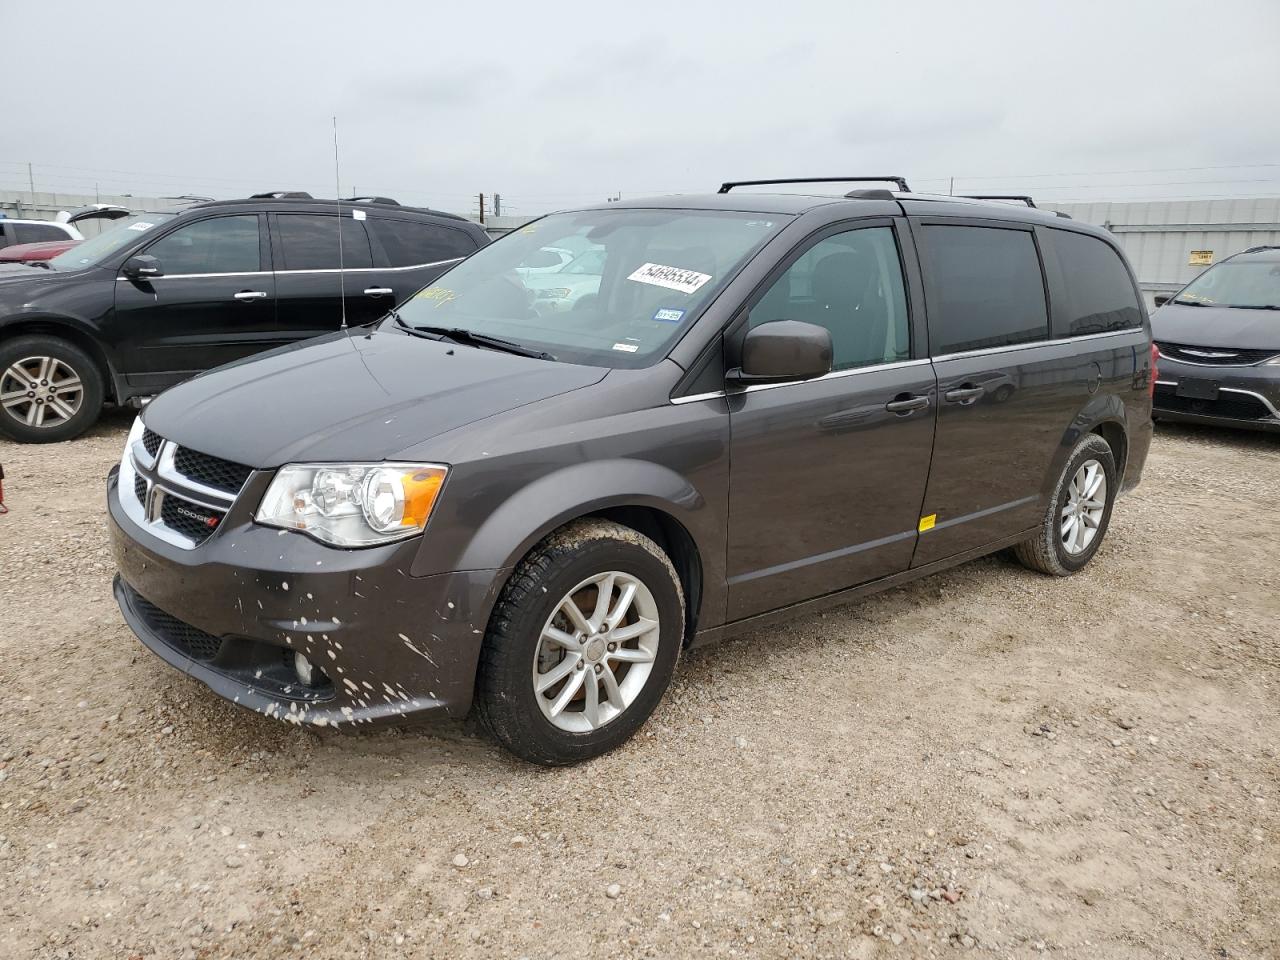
[986, 760]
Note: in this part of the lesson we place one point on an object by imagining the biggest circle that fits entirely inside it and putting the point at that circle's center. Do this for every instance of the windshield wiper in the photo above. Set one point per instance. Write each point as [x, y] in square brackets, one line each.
[1188, 303]
[470, 338]
[1253, 306]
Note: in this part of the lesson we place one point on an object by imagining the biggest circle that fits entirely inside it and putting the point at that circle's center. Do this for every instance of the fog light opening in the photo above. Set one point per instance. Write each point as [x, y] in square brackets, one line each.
[308, 672]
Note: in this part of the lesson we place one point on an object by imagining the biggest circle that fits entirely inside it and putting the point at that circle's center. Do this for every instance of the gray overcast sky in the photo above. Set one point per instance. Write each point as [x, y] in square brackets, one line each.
[560, 103]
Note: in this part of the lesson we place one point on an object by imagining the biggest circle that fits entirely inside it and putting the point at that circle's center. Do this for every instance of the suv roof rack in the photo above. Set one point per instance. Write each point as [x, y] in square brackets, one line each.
[387, 200]
[1001, 196]
[730, 184]
[281, 195]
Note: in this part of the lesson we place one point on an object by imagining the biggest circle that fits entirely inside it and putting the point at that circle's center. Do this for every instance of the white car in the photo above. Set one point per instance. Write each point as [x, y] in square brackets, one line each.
[543, 260]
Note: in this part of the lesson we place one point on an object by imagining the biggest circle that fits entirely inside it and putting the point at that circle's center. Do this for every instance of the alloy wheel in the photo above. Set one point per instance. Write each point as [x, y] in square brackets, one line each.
[1085, 504]
[41, 391]
[596, 651]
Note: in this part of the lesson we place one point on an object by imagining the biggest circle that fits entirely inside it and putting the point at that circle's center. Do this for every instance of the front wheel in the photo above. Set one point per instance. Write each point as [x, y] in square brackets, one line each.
[582, 644]
[50, 390]
[1079, 513]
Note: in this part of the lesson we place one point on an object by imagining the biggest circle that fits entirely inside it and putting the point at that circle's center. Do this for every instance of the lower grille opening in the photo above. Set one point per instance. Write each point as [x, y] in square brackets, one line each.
[1236, 406]
[183, 637]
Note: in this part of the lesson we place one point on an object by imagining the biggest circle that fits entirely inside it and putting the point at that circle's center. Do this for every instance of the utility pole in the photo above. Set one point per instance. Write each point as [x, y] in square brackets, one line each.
[482, 208]
[31, 180]
[497, 204]
[951, 190]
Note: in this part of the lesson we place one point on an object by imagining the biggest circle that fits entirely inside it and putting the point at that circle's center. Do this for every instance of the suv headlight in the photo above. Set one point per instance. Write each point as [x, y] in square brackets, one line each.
[353, 504]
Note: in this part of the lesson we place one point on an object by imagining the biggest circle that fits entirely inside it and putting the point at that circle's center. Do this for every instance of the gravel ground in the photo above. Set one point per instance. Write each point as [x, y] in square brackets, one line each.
[987, 760]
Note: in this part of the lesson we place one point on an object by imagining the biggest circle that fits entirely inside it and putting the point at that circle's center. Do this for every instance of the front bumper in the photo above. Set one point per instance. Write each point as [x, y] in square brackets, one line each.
[233, 611]
[1246, 396]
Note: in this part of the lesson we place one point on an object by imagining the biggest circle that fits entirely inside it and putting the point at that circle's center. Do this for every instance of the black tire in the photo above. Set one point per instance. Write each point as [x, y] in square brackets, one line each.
[505, 698]
[13, 419]
[1045, 552]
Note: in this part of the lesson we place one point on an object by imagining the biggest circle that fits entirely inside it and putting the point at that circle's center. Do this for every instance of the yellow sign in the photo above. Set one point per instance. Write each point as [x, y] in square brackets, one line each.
[926, 523]
[1200, 258]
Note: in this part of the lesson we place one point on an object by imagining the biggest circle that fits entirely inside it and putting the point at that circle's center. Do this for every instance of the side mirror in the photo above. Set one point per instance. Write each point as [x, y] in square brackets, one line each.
[142, 267]
[1162, 298]
[783, 350]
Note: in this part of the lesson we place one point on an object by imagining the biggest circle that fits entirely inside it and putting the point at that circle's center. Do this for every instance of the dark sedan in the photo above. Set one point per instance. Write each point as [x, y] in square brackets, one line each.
[1219, 342]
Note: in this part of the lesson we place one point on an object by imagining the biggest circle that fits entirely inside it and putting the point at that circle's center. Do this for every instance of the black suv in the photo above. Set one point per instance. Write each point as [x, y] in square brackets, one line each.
[163, 296]
[534, 500]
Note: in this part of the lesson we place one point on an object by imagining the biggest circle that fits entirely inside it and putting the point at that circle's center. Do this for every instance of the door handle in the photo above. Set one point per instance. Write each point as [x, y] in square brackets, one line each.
[964, 394]
[378, 291]
[247, 296]
[907, 404]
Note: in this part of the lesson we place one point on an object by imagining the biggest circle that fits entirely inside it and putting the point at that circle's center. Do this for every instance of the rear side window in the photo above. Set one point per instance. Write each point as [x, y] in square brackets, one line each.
[984, 286]
[408, 243]
[1098, 294]
[219, 245]
[37, 233]
[310, 242]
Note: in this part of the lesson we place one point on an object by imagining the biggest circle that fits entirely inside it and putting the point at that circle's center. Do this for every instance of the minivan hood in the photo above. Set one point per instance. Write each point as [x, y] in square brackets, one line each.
[1217, 327]
[366, 396]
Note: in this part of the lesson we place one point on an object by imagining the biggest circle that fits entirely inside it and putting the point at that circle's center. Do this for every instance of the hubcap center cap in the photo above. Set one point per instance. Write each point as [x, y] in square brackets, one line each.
[595, 649]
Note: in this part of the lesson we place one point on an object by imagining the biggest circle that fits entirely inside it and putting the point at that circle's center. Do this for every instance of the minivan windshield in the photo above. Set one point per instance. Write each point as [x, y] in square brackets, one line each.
[1244, 284]
[96, 250]
[635, 281]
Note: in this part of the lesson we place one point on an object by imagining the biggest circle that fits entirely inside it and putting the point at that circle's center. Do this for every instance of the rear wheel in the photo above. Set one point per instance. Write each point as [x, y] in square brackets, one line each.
[50, 390]
[1078, 516]
[582, 644]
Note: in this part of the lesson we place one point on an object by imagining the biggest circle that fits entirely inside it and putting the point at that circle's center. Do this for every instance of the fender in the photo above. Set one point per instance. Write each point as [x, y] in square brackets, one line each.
[551, 501]
[1103, 408]
[74, 330]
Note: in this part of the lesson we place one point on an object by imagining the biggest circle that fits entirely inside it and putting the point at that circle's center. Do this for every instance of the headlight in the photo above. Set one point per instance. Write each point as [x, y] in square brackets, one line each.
[353, 504]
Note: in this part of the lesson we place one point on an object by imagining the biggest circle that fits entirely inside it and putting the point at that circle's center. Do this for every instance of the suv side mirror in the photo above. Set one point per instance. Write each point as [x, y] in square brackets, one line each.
[783, 350]
[1162, 298]
[142, 267]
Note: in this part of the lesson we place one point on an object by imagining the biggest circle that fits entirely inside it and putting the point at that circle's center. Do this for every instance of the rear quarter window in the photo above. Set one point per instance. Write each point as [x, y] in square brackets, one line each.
[408, 243]
[1098, 294]
[37, 233]
[984, 286]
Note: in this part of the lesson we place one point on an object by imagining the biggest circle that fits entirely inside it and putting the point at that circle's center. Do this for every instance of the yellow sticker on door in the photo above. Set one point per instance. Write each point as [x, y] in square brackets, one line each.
[926, 523]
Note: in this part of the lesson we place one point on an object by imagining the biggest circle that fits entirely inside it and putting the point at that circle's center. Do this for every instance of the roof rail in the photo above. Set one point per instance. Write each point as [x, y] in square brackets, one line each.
[730, 184]
[282, 195]
[1000, 196]
[387, 200]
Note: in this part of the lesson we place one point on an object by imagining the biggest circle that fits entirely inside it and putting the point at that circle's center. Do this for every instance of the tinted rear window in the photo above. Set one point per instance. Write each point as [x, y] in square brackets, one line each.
[408, 243]
[985, 288]
[37, 232]
[310, 242]
[1098, 294]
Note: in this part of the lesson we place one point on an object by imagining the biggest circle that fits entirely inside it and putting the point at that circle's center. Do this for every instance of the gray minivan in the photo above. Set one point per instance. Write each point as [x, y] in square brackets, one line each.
[768, 404]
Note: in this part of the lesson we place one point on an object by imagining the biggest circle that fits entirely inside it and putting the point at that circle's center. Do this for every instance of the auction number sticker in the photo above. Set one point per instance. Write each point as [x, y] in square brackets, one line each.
[141, 225]
[673, 278]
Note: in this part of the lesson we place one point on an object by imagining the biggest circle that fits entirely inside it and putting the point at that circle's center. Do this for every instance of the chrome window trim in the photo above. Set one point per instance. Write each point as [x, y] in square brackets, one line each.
[833, 375]
[269, 273]
[1033, 344]
[1248, 393]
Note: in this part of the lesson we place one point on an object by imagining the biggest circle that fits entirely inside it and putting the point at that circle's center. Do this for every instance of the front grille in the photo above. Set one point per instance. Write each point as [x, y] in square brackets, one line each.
[1235, 406]
[1233, 356]
[151, 441]
[211, 471]
[189, 519]
[183, 637]
[140, 488]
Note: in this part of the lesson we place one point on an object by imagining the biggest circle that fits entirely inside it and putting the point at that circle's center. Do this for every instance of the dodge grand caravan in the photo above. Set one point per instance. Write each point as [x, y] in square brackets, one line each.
[771, 404]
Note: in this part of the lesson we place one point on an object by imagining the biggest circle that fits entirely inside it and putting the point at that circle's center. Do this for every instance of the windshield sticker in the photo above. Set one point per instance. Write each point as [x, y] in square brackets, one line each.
[626, 347]
[667, 315]
[357, 214]
[441, 295]
[141, 225]
[673, 278]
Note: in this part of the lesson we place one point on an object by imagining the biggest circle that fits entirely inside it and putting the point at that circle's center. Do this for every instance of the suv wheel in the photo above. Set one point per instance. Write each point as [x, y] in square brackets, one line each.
[1077, 518]
[50, 390]
[581, 645]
